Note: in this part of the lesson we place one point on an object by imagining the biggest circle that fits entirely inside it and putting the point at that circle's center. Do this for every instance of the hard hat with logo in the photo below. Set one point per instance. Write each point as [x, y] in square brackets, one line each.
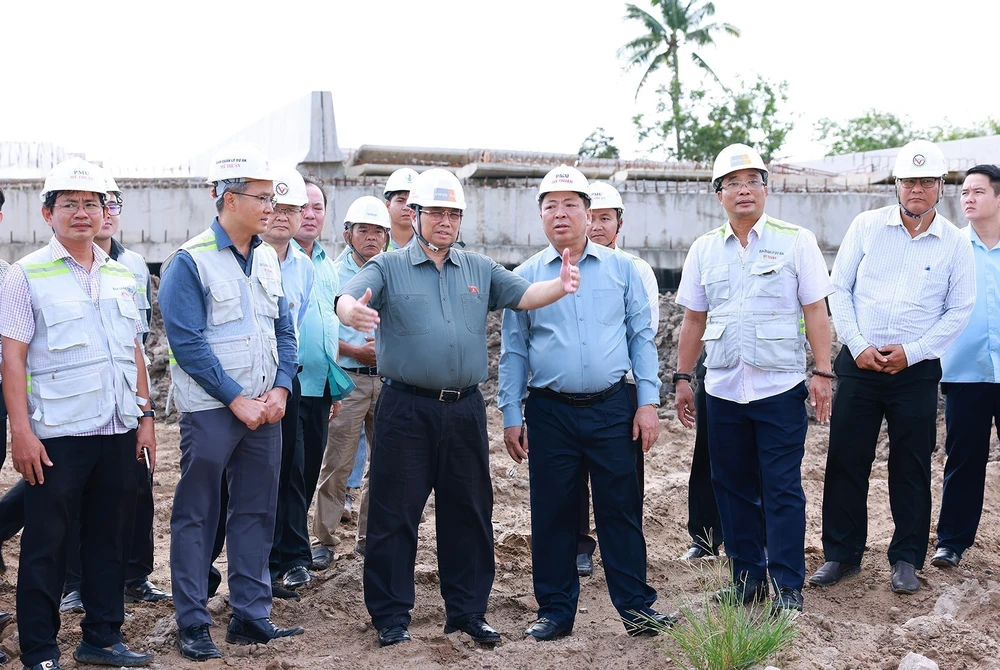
[736, 157]
[605, 196]
[367, 209]
[400, 180]
[75, 174]
[564, 178]
[437, 187]
[239, 161]
[289, 187]
[920, 158]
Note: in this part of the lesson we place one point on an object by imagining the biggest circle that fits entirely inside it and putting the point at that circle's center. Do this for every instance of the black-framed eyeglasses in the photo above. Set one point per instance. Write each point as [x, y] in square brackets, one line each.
[72, 207]
[114, 208]
[437, 215]
[264, 200]
[287, 210]
[925, 182]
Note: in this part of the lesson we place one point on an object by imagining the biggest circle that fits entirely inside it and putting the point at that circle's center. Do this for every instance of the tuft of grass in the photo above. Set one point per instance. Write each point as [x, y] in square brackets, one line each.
[725, 635]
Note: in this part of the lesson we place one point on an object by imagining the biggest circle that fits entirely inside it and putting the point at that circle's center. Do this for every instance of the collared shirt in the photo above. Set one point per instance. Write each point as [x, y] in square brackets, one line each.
[651, 286]
[582, 343]
[745, 383]
[346, 269]
[395, 247]
[320, 330]
[433, 322]
[185, 317]
[891, 288]
[17, 317]
[296, 283]
[975, 355]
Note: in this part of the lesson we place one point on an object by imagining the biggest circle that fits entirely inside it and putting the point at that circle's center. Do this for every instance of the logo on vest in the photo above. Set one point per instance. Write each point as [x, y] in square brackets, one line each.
[770, 254]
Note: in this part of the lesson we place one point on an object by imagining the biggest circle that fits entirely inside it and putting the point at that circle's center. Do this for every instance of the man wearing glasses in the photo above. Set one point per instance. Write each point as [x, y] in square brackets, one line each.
[754, 290]
[905, 288]
[232, 361]
[366, 234]
[430, 421]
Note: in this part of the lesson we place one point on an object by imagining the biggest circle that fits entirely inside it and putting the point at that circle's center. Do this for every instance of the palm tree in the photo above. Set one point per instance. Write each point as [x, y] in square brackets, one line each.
[678, 25]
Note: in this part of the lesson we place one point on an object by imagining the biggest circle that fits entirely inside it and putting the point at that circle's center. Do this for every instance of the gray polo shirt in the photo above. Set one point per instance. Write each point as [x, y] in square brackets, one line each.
[433, 324]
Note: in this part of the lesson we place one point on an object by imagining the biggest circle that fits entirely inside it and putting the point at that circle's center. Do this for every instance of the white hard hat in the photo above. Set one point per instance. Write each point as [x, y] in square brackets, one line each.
[241, 160]
[112, 186]
[736, 157]
[564, 178]
[605, 196]
[437, 187]
[367, 209]
[920, 158]
[75, 174]
[289, 188]
[400, 180]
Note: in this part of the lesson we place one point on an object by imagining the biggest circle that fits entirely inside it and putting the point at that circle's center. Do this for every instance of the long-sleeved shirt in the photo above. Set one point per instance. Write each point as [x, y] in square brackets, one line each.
[975, 355]
[890, 288]
[582, 343]
[185, 317]
[320, 330]
[297, 282]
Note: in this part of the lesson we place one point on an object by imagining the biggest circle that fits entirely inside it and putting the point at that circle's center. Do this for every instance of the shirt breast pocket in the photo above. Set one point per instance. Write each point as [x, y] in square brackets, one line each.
[409, 314]
[475, 307]
[609, 306]
[935, 287]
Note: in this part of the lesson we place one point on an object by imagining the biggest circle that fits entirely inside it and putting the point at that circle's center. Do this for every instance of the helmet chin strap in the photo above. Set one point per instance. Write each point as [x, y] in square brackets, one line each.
[912, 215]
[416, 231]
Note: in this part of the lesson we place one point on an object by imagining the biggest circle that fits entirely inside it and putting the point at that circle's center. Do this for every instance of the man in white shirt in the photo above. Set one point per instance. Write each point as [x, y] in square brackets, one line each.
[905, 287]
[754, 290]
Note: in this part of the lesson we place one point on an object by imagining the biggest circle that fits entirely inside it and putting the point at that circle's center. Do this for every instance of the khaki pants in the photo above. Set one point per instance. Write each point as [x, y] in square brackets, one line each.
[357, 412]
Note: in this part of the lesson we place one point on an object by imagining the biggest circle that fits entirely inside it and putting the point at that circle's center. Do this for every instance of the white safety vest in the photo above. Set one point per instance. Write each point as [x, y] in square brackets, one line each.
[754, 314]
[81, 360]
[137, 264]
[240, 321]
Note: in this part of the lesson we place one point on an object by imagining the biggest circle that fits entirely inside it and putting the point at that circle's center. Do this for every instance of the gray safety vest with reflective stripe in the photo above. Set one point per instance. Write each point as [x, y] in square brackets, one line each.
[754, 312]
[81, 360]
[137, 264]
[241, 312]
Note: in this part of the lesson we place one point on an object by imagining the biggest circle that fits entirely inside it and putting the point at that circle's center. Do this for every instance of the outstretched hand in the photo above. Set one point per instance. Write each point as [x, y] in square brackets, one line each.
[569, 274]
[362, 317]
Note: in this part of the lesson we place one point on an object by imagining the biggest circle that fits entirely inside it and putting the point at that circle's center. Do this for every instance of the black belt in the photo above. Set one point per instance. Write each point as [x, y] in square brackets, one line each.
[580, 399]
[370, 371]
[443, 395]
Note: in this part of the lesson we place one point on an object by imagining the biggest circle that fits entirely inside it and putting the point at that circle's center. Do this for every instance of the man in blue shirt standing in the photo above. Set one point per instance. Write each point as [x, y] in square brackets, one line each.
[970, 378]
[578, 412]
[232, 360]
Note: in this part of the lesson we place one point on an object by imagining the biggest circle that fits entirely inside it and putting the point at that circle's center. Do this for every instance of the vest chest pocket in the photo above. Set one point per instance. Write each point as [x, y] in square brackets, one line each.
[766, 279]
[715, 279]
[64, 326]
[268, 292]
[409, 314]
[779, 347]
[475, 307]
[128, 315]
[66, 400]
[225, 306]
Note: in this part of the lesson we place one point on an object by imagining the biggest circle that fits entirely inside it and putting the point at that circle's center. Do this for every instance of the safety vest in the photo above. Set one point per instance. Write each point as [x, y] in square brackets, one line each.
[81, 368]
[241, 312]
[754, 314]
[137, 264]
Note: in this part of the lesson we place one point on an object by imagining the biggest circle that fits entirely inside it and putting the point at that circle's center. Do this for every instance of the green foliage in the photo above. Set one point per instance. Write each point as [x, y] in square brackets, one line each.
[598, 145]
[710, 122]
[875, 130]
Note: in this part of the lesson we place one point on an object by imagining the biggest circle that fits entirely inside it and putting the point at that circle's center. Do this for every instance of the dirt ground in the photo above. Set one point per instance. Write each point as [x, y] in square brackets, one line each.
[858, 623]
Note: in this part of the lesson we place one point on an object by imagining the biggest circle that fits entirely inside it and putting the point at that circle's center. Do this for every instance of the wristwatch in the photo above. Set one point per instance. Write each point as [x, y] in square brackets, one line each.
[149, 414]
[677, 376]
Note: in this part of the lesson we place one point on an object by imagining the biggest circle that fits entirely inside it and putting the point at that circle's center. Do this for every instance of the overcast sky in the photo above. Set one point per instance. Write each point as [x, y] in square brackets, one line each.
[155, 83]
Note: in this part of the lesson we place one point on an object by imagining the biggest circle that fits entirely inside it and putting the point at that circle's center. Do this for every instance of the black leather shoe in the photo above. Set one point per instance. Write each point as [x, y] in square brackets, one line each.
[946, 558]
[258, 631]
[584, 565]
[904, 578]
[476, 627]
[546, 630]
[118, 656]
[322, 557]
[651, 625]
[296, 578]
[71, 602]
[832, 572]
[195, 643]
[214, 580]
[144, 592]
[786, 598]
[279, 591]
[744, 591]
[44, 665]
[391, 635]
[698, 551]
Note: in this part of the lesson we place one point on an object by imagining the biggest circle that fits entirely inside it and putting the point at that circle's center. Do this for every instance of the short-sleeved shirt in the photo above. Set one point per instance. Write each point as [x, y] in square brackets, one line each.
[346, 269]
[433, 323]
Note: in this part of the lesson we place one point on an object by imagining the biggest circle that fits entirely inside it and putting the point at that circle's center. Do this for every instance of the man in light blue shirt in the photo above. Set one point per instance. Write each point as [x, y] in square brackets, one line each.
[970, 376]
[578, 412]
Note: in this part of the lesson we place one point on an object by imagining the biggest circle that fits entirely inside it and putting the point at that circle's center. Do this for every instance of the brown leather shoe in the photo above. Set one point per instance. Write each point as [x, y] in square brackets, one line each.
[904, 578]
